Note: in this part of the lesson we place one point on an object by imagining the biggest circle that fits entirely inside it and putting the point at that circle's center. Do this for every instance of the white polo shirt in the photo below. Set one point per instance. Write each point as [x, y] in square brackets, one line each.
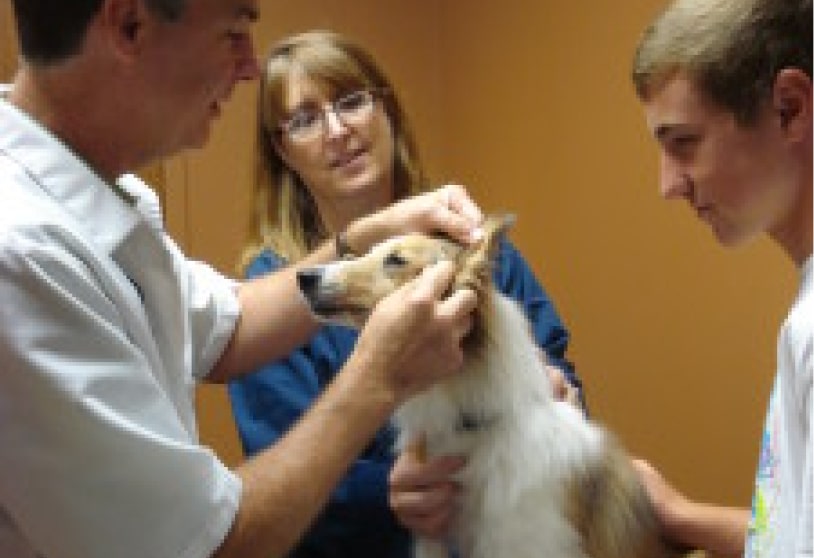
[104, 329]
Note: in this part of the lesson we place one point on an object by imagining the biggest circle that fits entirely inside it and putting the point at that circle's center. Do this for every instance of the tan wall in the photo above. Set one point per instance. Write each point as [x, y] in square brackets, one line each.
[8, 47]
[528, 103]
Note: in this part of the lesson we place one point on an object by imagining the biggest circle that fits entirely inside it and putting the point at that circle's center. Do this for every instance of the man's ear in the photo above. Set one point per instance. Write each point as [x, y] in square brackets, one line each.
[791, 100]
[124, 22]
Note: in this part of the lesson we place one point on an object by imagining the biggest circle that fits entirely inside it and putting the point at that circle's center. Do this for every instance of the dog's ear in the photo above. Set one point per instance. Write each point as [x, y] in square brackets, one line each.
[494, 230]
[475, 263]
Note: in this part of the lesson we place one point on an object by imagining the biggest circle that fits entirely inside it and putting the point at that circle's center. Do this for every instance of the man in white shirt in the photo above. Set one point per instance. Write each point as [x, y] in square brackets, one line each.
[105, 326]
[726, 87]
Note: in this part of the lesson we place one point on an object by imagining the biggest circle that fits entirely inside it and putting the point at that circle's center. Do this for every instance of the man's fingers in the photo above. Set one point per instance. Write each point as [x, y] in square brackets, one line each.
[457, 199]
[458, 308]
[433, 281]
[457, 214]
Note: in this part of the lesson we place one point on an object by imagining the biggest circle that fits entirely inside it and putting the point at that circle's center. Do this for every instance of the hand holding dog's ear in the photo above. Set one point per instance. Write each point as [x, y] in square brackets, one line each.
[413, 337]
[448, 210]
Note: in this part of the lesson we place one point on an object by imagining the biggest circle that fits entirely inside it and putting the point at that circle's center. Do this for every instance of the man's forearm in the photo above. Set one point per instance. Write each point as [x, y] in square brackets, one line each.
[274, 319]
[286, 486]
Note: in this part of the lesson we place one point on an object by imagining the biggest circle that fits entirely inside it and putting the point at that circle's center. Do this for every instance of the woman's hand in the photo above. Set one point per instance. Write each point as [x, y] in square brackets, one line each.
[562, 389]
[423, 493]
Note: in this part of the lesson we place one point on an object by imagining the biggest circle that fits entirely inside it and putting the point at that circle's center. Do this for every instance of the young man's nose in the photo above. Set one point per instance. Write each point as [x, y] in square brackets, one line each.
[673, 181]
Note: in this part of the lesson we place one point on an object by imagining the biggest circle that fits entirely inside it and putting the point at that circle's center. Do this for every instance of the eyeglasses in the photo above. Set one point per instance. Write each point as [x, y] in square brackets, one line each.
[309, 122]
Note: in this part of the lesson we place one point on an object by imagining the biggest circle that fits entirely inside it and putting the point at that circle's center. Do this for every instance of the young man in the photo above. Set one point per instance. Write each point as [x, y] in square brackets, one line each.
[727, 93]
[105, 326]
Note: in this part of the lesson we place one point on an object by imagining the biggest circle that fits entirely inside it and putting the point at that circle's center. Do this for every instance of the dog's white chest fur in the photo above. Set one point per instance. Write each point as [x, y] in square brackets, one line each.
[540, 480]
[521, 446]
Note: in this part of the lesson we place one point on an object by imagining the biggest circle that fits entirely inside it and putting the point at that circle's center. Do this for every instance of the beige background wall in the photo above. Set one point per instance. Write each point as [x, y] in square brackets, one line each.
[528, 103]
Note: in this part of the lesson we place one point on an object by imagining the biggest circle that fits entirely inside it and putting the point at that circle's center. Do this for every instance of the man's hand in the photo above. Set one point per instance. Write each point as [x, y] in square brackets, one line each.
[413, 337]
[448, 209]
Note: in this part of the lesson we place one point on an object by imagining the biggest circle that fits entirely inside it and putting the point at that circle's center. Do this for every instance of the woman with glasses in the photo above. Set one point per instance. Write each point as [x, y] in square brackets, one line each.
[334, 145]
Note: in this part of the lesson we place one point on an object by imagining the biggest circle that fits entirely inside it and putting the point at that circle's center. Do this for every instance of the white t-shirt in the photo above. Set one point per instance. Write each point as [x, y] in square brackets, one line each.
[104, 329]
[781, 525]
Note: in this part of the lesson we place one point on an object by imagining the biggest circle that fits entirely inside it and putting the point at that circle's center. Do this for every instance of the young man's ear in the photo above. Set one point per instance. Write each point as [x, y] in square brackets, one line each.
[124, 23]
[792, 102]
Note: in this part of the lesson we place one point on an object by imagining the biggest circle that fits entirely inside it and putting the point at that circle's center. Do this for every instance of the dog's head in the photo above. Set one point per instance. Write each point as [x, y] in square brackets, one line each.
[346, 291]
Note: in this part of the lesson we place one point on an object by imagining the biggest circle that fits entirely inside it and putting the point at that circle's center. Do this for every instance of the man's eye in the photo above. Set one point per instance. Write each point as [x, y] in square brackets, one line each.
[395, 259]
[683, 142]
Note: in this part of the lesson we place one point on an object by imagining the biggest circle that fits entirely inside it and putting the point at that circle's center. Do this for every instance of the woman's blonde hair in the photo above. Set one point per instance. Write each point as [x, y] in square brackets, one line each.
[285, 217]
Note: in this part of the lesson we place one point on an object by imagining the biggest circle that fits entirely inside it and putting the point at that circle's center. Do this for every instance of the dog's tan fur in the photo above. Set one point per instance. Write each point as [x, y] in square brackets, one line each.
[584, 497]
[611, 512]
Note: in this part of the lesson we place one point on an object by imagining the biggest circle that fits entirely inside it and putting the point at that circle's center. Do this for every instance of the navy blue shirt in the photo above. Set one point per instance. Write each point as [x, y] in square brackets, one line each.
[358, 522]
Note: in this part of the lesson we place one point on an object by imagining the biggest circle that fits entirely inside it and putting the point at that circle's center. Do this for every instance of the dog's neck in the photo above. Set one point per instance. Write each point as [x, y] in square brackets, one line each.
[476, 421]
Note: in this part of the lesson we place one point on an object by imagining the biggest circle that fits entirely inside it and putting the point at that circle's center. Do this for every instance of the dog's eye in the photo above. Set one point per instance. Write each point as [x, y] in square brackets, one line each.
[394, 259]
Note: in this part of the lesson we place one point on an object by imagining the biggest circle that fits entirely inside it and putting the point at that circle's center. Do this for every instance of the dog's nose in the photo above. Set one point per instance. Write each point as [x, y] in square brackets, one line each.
[308, 280]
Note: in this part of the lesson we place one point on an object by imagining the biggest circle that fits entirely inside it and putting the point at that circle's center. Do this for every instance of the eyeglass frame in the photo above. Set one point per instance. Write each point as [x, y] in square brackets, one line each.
[283, 129]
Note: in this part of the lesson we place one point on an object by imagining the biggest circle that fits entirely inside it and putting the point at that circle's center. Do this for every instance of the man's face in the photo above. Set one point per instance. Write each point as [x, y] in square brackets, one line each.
[192, 66]
[734, 177]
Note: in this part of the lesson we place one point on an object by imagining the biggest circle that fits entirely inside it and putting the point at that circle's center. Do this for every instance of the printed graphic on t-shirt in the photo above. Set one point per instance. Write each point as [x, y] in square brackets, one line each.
[763, 528]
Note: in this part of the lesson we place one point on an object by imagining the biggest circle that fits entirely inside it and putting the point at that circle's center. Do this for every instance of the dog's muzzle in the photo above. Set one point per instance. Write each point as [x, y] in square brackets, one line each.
[325, 300]
[308, 281]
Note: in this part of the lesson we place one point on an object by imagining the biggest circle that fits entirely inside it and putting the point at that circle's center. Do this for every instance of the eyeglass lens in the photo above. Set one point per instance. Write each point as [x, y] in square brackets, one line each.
[309, 122]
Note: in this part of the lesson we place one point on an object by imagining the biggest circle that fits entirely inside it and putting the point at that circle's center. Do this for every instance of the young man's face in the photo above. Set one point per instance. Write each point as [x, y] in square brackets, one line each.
[193, 65]
[734, 177]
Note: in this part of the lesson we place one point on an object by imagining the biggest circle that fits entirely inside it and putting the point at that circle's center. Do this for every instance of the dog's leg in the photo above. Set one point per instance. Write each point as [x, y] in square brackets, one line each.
[426, 548]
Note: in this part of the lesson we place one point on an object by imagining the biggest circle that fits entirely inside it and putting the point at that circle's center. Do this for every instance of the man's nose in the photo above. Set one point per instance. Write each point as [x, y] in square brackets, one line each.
[673, 180]
[248, 67]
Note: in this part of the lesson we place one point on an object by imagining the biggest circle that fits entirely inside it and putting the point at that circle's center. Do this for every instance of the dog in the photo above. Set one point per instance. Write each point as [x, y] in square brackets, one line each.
[540, 480]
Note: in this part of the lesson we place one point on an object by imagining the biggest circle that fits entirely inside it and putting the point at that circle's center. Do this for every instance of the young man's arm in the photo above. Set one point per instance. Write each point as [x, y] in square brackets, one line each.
[719, 530]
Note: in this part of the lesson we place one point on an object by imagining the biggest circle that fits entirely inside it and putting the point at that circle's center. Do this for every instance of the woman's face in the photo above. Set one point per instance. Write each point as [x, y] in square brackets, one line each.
[349, 158]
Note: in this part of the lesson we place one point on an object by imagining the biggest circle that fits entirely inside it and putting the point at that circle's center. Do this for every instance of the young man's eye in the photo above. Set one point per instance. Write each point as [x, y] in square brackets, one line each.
[683, 144]
[684, 140]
